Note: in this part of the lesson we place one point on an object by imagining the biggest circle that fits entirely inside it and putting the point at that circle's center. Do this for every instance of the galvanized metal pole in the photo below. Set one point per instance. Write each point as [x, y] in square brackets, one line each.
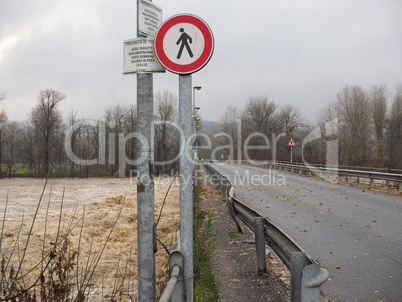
[145, 187]
[186, 188]
[291, 155]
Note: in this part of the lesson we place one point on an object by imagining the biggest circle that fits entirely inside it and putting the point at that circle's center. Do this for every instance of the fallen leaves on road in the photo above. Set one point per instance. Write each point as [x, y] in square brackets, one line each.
[338, 267]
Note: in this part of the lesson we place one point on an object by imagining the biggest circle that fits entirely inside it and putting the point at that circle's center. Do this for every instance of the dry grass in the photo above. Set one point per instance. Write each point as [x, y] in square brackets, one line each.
[86, 227]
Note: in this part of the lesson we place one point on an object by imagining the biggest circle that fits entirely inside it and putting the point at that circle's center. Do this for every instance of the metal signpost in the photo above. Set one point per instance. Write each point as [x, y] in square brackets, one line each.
[184, 44]
[139, 58]
[291, 144]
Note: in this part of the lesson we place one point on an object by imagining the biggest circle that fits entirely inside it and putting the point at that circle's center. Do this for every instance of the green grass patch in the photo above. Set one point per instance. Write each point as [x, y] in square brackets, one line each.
[233, 233]
[205, 288]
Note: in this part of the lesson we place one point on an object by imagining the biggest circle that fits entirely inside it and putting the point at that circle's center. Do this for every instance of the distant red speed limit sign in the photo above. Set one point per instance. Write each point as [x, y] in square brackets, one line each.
[184, 44]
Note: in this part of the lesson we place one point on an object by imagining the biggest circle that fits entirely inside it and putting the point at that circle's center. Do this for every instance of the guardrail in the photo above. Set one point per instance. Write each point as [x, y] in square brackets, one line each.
[329, 172]
[321, 166]
[306, 275]
[174, 290]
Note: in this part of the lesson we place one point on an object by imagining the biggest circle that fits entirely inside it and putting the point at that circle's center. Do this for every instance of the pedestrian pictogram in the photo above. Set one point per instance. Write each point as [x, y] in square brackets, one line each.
[184, 44]
[184, 40]
[291, 143]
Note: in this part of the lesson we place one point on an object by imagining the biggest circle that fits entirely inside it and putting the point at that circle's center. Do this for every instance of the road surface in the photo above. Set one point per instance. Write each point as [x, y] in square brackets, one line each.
[355, 233]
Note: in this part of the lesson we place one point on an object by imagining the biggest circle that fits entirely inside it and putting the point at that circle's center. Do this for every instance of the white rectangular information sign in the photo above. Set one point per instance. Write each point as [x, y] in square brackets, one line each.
[139, 56]
[149, 18]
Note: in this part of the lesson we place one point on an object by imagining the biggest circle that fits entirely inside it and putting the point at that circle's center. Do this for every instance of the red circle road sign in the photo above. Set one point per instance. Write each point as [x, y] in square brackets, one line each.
[184, 44]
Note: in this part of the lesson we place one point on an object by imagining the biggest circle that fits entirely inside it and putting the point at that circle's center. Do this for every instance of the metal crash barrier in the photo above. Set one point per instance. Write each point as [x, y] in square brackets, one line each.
[306, 275]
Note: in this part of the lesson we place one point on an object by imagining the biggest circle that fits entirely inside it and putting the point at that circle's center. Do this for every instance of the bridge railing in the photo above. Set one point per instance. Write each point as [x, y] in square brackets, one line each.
[306, 275]
[329, 172]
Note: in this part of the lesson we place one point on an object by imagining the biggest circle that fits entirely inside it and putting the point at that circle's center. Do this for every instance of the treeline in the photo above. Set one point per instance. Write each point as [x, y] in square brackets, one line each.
[46, 144]
[363, 126]
[359, 128]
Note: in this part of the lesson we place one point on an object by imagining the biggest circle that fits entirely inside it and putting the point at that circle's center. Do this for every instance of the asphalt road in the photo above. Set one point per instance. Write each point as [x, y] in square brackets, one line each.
[355, 233]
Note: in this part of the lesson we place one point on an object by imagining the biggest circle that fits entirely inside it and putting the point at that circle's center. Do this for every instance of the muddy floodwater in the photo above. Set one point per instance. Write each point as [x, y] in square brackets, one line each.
[90, 210]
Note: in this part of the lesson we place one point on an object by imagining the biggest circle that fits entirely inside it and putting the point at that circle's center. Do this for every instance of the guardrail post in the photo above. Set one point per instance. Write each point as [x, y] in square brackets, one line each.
[313, 277]
[260, 244]
[297, 264]
[372, 182]
[358, 178]
[224, 190]
[232, 214]
[387, 181]
[400, 186]
[219, 184]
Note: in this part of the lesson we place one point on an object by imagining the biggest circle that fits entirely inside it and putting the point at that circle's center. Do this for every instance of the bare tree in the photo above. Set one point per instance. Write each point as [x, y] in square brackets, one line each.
[260, 120]
[319, 145]
[115, 121]
[73, 123]
[230, 125]
[47, 120]
[29, 149]
[378, 107]
[292, 123]
[130, 126]
[3, 122]
[394, 130]
[11, 141]
[291, 119]
[166, 142]
[261, 114]
[354, 123]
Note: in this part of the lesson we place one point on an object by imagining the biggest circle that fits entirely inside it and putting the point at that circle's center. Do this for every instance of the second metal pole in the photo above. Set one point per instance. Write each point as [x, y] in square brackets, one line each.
[186, 188]
[145, 190]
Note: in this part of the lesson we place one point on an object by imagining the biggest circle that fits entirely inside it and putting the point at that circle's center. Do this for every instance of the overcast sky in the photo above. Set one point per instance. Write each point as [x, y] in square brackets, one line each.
[297, 52]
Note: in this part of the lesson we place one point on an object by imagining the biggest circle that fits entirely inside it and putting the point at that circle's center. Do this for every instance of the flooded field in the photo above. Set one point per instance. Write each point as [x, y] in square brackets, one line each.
[90, 209]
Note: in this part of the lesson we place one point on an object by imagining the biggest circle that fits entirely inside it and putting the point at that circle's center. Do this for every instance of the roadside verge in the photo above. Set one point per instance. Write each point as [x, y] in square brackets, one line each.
[234, 261]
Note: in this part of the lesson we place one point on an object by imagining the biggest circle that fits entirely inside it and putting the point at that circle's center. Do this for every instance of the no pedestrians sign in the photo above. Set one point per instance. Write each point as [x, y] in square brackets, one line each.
[184, 44]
